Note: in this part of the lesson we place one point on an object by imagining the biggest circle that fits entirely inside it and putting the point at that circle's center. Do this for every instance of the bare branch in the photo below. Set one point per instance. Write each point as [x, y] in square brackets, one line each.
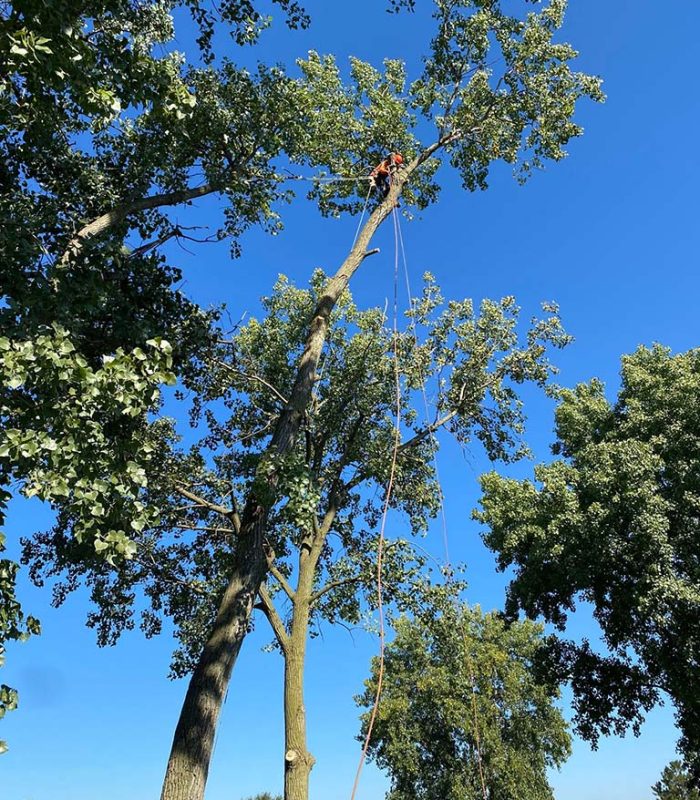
[203, 503]
[257, 378]
[428, 430]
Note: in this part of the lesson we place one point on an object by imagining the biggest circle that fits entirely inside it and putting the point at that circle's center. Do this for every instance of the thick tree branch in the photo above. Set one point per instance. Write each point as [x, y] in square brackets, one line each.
[117, 214]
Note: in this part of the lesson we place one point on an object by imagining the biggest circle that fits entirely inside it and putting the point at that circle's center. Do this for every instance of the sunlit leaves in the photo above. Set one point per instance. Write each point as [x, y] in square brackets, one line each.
[461, 703]
[71, 433]
[14, 625]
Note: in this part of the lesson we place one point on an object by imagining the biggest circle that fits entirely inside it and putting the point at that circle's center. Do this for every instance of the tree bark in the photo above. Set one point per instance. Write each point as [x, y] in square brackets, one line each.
[193, 742]
[188, 765]
[298, 762]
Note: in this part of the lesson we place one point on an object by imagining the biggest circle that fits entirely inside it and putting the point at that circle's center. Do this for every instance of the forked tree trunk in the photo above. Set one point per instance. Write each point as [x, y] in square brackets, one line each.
[188, 765]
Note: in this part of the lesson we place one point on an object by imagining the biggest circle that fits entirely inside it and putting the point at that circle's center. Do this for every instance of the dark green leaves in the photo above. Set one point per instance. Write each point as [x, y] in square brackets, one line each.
[616, 524]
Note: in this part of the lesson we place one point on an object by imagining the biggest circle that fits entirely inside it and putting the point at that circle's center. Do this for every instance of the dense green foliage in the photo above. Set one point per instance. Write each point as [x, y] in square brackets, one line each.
[182, 561]
[460, 702]
[614, 522]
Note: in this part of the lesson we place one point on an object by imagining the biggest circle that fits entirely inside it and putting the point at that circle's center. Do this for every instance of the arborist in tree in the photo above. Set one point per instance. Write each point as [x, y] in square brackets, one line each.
[380, 176]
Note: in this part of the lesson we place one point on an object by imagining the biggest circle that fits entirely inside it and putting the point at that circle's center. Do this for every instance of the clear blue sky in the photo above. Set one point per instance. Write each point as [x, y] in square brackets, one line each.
[610, 234]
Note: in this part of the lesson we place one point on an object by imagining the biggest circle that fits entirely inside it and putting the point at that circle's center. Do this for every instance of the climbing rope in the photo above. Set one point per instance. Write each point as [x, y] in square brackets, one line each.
[447, 564]
[447, 569]
[362, 216]
[385, 513]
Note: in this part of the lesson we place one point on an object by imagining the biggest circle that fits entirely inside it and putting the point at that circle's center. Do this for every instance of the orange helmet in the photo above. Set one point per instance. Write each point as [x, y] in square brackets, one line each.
[398, 158]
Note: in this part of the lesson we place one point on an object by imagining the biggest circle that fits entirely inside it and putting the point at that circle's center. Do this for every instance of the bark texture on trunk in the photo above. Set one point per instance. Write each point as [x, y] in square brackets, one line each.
[188, 764]
[298, 762]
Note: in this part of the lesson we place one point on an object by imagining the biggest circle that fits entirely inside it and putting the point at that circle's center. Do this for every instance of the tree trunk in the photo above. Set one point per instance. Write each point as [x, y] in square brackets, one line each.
[188, 765]
[298, 762]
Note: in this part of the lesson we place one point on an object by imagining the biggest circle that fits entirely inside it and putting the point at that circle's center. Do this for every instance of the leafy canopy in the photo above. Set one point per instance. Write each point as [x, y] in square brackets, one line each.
[181, 557]
[675, 784]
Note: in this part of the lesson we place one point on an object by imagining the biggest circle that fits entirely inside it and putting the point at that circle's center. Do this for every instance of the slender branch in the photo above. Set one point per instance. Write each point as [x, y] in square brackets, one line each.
[328, 587]
[279, 576]
[161, 240]
[257, 378]
[316, 596]
[162, 574]
[182, 526]
[268, 608]
[202, 502]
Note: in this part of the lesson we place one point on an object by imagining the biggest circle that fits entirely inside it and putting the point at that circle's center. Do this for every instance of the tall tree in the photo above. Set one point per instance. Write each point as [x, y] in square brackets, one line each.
[527, 110]
[102, 132]
[495, 86]
[83, 102]
[614, 521]
[321, 539]
[463, 715]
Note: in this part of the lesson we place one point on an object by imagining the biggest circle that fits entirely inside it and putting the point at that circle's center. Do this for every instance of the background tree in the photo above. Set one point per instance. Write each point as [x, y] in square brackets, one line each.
[614, 522]
[462, 714]
[675, 784]
[266, 796]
